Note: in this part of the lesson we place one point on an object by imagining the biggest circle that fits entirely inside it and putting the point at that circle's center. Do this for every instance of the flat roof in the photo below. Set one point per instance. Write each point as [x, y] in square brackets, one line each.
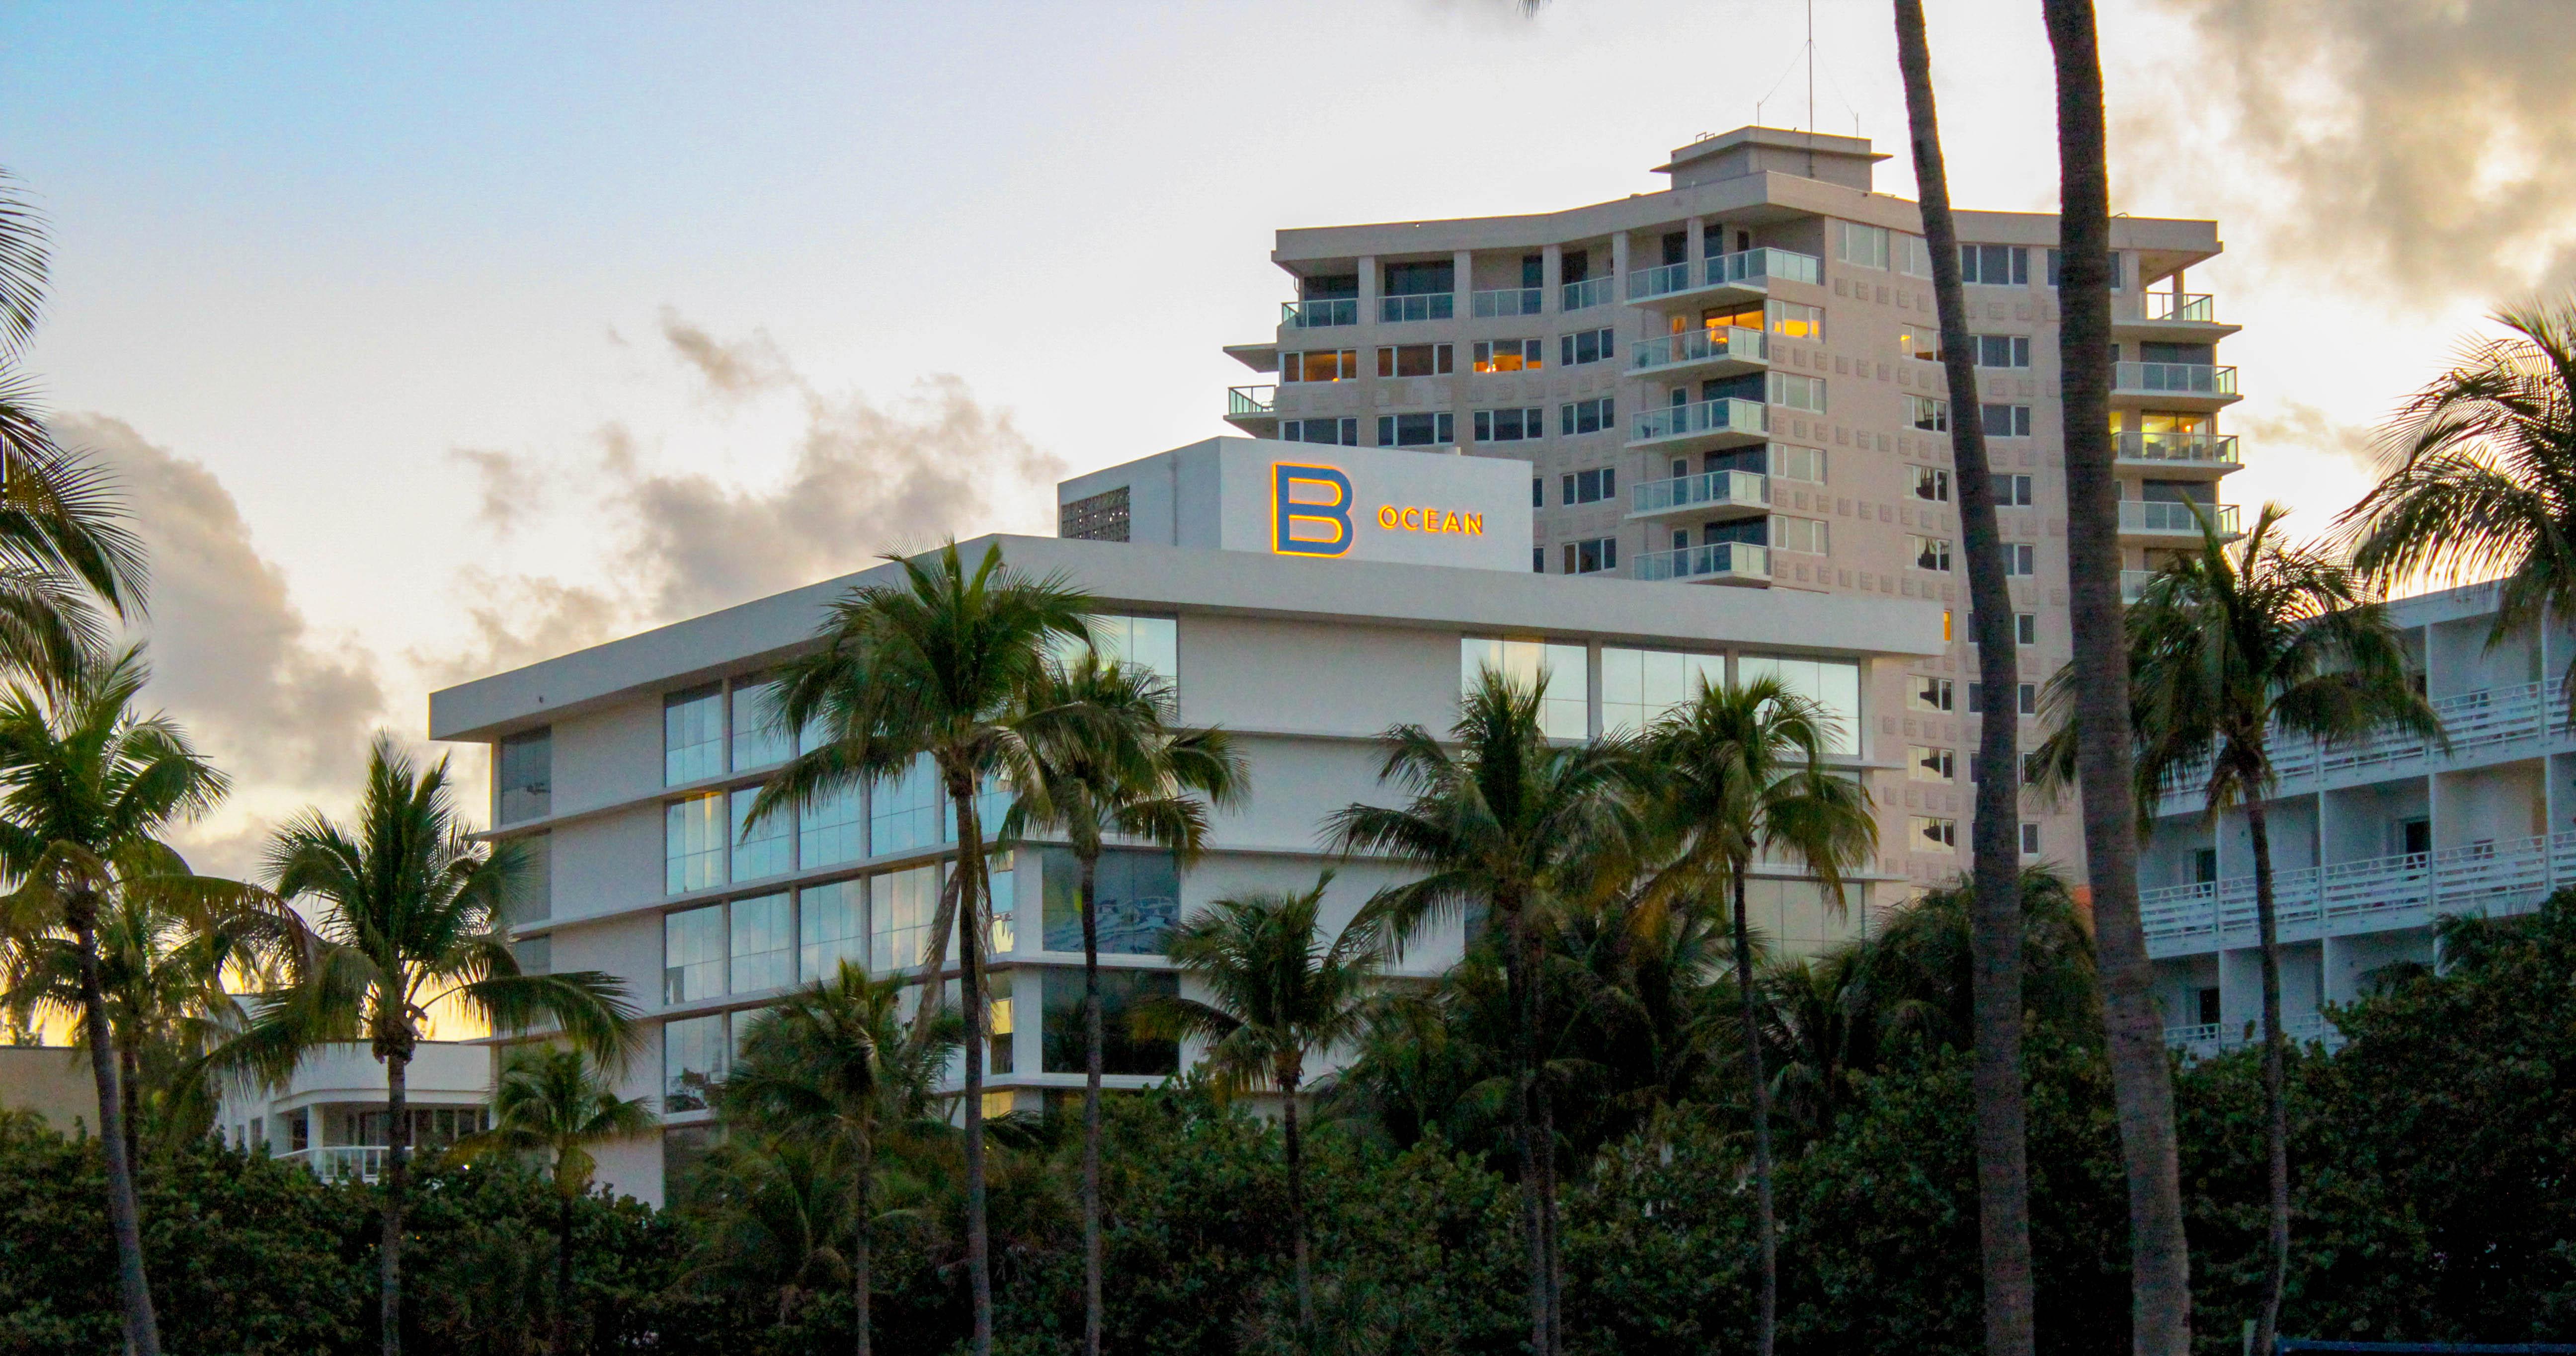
[1134, 576]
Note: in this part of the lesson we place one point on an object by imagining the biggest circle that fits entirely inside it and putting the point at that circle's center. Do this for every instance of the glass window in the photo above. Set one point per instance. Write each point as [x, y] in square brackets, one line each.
[1565, 712]
[693, 735]
[693, 1061]
[1833, 684]
[1929, 834]
[1794, 320]
[1639, 686]
[1151, 643]
[531, 895]
[693, 954]
[1865, 246]
[765, 849]
[830, 830]
[524, 776]
[992, 801]
[758, 738]
[1137, 895]
[1926, 693]
[997, 1024]
[900, 905]
[831, 926]
[1913, 256]
[1798, 393]
[1798, 463]
[764, 943]
[1929, 764]
[1808, 536]
[693, 843]
[1122, 1051]
[904, 811]
[1416, 430]
[536, 955]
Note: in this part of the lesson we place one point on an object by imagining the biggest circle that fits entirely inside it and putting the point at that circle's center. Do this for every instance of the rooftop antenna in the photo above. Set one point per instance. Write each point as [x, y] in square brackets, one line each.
[1811, 89]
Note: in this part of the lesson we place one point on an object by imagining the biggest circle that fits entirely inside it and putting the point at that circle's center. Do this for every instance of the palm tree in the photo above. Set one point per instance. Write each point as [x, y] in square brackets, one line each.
[2484, 479]
[1496, 827]
[413, 913]
[552, 1100]
[1102, 758]
[1738, 773]
[1276, 994]
[831, 1063]
[2003, 1162]
[938, 668]
[2141, 1070]
[2227, 647]
[1917, 973]
[87, 788]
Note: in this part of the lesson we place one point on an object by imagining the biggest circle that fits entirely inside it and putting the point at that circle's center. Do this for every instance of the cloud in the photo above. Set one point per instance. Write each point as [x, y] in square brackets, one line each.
[515, 621]
[513, 490]
[745, 367]
[233, 659]
[2402, 145]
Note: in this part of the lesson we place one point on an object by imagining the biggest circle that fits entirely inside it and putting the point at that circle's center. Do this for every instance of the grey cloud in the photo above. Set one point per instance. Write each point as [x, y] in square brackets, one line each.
[2300, 424]
[512, 488]
[516, 621]
[232, 657]
[2397, 144]
[744, 367]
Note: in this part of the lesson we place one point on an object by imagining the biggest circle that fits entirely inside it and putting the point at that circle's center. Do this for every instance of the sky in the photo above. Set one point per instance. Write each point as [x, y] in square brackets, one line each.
[432, 340]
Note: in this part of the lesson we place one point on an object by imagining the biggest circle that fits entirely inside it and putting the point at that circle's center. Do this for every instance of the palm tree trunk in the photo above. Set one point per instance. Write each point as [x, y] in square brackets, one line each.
[124, 1214]
[2276, 1106]
[1091, 1060]
[2003, 1165]
[1543, 1114]
[1516, 985]
[129, 1079]
[860, 1259]
[970, 956]
[397, 1184]
[560, 1342]
[1297, 1211]
[943, 925]
[1767, 1229]
[2142, 1087]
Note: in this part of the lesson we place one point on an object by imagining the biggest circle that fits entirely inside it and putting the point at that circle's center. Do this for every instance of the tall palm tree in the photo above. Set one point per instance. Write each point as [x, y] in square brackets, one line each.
[1917, 972]
[1277, 993]
[2141, 1070]
[831, 1062]
[1103, 758]
[552, 1100]
[87, 789]
[2229, 646]
[1739, 774]
[65, 550]
[937, 667]
[412, 913]
[2484, 480]
[2003, 1159]
[1498, 819]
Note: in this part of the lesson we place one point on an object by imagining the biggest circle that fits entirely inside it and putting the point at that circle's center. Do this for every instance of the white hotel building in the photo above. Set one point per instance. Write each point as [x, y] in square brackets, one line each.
[628, 766]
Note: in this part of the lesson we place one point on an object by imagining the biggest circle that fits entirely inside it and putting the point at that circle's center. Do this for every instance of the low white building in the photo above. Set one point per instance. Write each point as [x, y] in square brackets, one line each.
[1305, 598]
[331, 1115]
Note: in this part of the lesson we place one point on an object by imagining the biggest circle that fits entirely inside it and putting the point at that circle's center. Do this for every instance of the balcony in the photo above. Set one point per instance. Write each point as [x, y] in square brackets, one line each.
[1708, 423]
[2197, 307]
[2171, 454]
[1254, 409]
[2165, 517]
[2187, 317]
[2480, 724]
[2194, 386]
[1309, 315]
[1586, 294]
[1737, 348]
[1420, 306]
[1746, 274]
[1505, 301]
[2208, 1038]
[2374, 894]
[1714, 494]
[1726, 562]
[347, 1162]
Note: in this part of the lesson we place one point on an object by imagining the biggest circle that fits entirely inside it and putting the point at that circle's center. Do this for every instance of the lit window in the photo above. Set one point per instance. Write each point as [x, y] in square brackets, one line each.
[1510, 355]
[1795, 320]
[693, 843]
[1919, 341]
[1565, 711]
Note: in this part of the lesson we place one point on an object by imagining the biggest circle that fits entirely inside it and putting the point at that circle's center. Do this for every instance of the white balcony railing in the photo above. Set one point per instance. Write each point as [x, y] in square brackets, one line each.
[1706, 416]
[1587, 293]
[2197, 449]
[2370, 895]
[1251, 401]
[345, 1162]
[1506, 301]
[2198, 379]
[2477, 723]
[1718, 560]
[1308, 315]
[1418, 306]
[2165, 515]
[1740, 342]
[1708, 490]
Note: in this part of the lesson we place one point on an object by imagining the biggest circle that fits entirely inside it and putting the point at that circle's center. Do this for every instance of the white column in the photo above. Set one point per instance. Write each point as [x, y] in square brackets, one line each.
[1368, 293]
[1551, 279]
[1619, 265]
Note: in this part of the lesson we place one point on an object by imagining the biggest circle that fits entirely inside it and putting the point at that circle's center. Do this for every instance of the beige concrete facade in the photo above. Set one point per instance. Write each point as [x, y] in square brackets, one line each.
[1845, 483]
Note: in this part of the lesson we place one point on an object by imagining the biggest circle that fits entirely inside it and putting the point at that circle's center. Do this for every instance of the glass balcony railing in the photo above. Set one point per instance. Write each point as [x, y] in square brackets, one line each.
[1251, 400]
[1706, 416]
[1656, 282]
[1587, 293]
[1747, 268]
[1719, 560]
[1506, 301]
[2174, 378]
[2164, 515]
[1709, 490]
[2195, 306]
[1699, 346]
[1308, 315]
[1419, 306]
[2199, 449]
